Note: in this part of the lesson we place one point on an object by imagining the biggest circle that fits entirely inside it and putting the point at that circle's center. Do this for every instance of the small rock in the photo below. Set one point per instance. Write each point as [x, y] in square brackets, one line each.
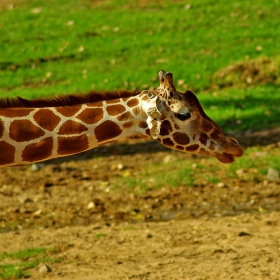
[273, 174]
[221, 185]
[36, 166]
[90, 205]
[44, 268]
[37, 213]
[168, 159]
[244, 233]
[24, 199]
[120, 166]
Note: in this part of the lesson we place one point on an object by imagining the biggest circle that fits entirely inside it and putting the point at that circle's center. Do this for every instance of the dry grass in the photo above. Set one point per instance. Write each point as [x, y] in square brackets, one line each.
[262, 70]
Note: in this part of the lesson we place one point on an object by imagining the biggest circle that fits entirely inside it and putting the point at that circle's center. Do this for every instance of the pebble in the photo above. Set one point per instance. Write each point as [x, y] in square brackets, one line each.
[36, 166]
[273, 174]
[91, 205]
[221, 185]
[44, 268]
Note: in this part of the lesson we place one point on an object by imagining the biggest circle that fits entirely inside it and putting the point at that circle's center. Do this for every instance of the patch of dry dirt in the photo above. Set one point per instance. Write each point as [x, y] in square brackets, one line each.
[242, 247]
[262, 70]
[203, 232]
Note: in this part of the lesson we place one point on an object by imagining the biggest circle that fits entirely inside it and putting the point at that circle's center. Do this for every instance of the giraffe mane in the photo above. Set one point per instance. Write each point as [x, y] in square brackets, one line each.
[66, 100]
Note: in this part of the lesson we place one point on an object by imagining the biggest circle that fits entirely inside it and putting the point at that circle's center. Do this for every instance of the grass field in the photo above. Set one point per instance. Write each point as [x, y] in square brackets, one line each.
[59, 47]
[226, 52]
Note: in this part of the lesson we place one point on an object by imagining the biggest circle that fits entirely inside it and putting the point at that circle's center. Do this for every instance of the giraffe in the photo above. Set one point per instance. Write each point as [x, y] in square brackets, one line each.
[38, 130]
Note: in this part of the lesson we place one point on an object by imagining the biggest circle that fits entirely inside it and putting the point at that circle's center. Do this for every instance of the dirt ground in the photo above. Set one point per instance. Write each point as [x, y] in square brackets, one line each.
[99, 232]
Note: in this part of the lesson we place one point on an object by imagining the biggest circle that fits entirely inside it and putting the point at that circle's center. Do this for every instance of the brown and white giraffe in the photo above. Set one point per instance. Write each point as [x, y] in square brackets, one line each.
[37, 130]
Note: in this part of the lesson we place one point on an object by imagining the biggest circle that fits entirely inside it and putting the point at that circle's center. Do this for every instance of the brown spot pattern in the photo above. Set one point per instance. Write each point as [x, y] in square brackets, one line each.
[180, 148]
[133, 102]
[206, 126]
[215, 135]
[192, 148]
[72, 127]
[181, 138]
[203, 139]
[46, 119]
[72, 145]
[24, 130]
[128, 124]
[106, 131]
[1, 128]
[115, 110]
[91, 115]
[143, 124]
[125, 116]
[7, 154]
[95, 104]
[136, 111]
[112, 101]
[68, 111]
[15, 112]
[165, 128]
[167, 142]
[38, 151]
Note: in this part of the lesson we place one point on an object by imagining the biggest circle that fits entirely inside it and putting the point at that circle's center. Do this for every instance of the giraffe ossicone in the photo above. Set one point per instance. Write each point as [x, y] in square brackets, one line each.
[38, 130]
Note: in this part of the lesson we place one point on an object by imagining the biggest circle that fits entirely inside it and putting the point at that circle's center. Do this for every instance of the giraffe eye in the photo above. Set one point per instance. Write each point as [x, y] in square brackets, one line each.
[183, 116]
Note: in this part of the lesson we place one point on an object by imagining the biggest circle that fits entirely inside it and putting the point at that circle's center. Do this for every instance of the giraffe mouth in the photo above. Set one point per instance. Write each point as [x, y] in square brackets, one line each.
[225, 158]
[228, 158]
[233, 152]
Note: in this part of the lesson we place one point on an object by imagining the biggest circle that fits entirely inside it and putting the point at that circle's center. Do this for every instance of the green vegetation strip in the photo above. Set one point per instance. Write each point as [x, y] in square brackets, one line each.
[171, 172]
[15, 265]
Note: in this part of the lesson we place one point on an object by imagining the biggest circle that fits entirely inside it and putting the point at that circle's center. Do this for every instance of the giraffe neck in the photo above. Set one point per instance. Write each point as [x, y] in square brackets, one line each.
[36, 134]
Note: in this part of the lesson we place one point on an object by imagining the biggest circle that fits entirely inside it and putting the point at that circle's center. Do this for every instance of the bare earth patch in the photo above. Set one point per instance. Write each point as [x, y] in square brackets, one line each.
[262, 70]
[242, 247]
[103, 230]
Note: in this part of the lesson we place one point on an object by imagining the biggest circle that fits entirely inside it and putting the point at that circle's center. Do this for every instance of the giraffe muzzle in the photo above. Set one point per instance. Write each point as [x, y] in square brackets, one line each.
[232, 151]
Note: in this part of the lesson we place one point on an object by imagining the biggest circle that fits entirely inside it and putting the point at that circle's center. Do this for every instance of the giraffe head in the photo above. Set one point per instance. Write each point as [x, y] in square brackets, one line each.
[178, 121]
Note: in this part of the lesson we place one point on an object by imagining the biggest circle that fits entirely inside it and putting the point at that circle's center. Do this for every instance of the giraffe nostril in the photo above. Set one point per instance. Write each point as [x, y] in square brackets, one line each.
[234, 141]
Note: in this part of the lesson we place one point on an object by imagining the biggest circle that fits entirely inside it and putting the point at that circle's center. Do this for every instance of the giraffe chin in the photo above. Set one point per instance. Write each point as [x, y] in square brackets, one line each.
[225, 158]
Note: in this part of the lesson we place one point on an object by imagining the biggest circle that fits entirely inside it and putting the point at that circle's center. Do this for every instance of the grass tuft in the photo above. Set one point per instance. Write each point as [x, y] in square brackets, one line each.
[15, 265]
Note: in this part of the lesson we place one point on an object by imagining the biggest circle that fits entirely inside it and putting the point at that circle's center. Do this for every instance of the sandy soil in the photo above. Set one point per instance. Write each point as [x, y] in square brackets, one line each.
[99, 232]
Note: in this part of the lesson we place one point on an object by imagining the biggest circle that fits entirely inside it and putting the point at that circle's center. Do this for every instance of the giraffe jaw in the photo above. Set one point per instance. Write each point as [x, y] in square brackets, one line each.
[228, 158]
[225, 158]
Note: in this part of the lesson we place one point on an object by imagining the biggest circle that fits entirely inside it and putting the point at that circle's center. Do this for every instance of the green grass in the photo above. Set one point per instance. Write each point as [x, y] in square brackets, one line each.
[18, 263]
[257, 158]
[197, 171]
[156, 175]
[60, 47]
[98, 235]
[240, 109]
